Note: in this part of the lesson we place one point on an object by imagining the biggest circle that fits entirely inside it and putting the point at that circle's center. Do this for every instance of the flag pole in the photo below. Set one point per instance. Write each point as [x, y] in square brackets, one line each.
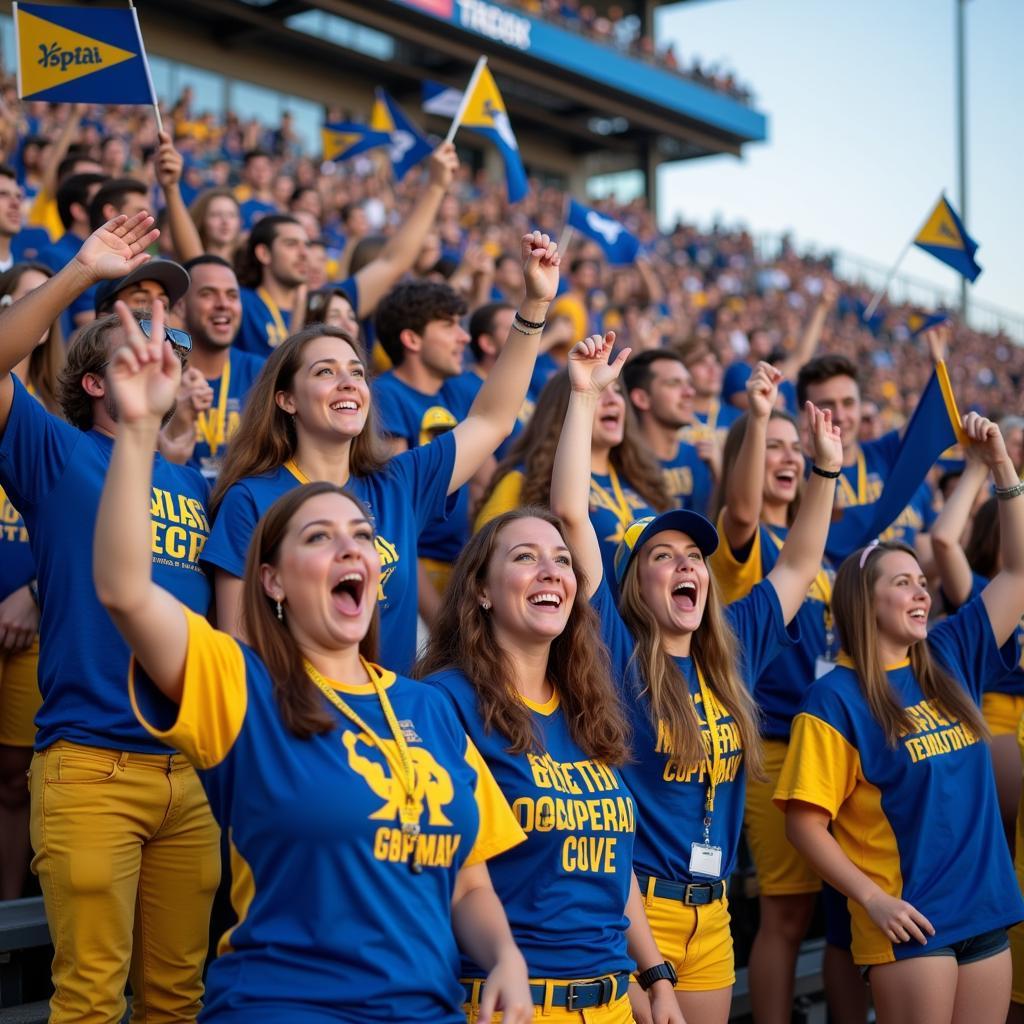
[877, 297]
[145, 64]
[565, 239]
[464, 102]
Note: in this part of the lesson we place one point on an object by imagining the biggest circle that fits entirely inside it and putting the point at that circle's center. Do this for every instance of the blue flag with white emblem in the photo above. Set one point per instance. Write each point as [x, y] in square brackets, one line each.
[409, 146]
[618, 244]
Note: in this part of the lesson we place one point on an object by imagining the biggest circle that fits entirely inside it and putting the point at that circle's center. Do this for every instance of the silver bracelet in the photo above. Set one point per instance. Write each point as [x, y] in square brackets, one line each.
[1006, 493]
[528, 331]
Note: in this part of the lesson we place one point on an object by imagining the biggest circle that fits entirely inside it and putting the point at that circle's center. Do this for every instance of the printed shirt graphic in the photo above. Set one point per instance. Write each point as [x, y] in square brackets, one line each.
[565, 889]
[17, 566]
[245, 368]
[333, 921]
[780, 689]
[688, 479]
[409, 491]
[916, 817]
[53, 473]
[418, 419]
[670, 801]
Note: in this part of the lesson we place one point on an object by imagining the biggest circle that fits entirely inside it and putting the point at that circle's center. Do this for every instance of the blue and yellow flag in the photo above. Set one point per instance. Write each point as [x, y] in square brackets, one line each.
[344, 139]
[921, 322]
[408, 145]
[944, 237]
[485, 113]
[81, 55]
[934, 427]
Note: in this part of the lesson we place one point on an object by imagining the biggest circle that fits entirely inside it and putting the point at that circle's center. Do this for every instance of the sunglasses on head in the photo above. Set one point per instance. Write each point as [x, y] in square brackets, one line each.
[180, 340]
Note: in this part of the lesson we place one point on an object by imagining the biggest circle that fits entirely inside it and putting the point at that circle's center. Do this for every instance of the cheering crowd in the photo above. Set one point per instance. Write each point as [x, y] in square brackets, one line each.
[456, 602]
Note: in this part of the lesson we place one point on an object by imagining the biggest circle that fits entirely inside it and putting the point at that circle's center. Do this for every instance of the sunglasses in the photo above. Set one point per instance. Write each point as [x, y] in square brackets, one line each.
[180, 340]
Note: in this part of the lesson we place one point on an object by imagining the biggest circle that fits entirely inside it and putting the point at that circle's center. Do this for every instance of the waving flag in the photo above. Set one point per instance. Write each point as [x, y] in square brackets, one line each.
[921, 322]
[618, 244]
[408, 145]
[81, 55]
[441, 100]
[344, 139]
[944, 237]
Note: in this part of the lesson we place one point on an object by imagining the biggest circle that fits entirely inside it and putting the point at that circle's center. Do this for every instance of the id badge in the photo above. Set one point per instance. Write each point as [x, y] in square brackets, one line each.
[822, 666]
[705, 860]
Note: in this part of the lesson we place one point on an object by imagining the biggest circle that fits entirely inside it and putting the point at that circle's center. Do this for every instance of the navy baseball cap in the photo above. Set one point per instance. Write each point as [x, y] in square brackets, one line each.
[173, 276]
[699, 529]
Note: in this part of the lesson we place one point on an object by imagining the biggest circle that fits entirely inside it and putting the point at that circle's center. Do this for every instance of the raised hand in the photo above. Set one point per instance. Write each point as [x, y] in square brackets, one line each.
[443, 165]
[985, 441]
[938, 339]
[117, 248]
[826, 439]
[541, 261]
[169, 163]
[144, 373]
[589, 369]
[763, 390]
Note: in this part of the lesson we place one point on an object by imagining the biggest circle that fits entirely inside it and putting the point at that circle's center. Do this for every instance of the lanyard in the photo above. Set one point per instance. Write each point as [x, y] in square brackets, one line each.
[275, 314]
[712, 420]
[401, 763]
[212, 428]
[823, 586]
[861, 497]
[619, 505]
[712, 757]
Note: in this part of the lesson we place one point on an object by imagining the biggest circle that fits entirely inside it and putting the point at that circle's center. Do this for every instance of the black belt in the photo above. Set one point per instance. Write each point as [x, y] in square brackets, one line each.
[696, 894]
[569, 995]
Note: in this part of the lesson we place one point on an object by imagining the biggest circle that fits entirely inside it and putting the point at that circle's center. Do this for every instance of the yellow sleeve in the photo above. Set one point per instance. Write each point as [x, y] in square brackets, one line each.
[504, 498]
[499, 830]
[213, 701]
[379, 359]
[736, 579]
[43, 213]
[821, 766]
[569, 305]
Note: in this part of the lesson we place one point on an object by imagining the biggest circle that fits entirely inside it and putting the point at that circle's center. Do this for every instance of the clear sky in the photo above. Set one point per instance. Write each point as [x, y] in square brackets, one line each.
[862, 132]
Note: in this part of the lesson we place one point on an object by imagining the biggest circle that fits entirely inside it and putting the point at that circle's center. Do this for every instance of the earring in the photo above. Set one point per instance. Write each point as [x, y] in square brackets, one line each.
[486, 605]
[280, 612]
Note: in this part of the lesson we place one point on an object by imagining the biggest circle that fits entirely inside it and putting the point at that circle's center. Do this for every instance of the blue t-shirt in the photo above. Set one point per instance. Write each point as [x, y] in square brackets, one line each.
[417, 419]
[17, 566]
[611, 515]
[473, 382]
[253, 209]
[213, 431]
[565, 889]
[916, 817]
[735, 380]
[543, 370]
[53, 473]
[671, 800]
[29, 243]
[333, 923]
[688, 479]
[402, 498]
[264, 324]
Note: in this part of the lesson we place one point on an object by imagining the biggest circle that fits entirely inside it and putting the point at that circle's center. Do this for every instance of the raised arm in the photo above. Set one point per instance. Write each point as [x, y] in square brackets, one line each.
[378, 277]
[48, 183]
[948, 529]
[744, 490]
[493, 413]
[143, 376]
[800, 558]
[589, 374]
[182, 229]
[112, 251]
[808, 344]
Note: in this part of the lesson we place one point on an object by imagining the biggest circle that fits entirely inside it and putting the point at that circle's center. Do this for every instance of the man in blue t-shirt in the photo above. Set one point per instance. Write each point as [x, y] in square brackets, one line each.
[119, 820]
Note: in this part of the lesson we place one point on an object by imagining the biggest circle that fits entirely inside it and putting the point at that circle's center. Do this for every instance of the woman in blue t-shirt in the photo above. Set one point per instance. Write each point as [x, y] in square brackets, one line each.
[685, 666]
[519, 653]
[888, 787]
[310, 417]
[358, 813]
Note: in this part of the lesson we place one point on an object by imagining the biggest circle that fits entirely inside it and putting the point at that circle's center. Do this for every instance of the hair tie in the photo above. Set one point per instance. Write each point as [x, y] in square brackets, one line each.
[866, 552]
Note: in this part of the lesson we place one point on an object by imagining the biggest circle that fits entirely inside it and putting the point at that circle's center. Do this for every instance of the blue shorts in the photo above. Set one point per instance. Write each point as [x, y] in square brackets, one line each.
[966, 951]
[837, 917]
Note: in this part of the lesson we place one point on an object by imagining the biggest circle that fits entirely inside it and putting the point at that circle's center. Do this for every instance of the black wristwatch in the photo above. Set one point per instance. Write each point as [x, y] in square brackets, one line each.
[659, 972]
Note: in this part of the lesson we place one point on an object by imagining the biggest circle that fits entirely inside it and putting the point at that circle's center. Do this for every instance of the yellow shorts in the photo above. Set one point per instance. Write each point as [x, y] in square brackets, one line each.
[439, 573]
[697, 941]
[781, 871]
[1017, 931]
[1002, 712]
[617, 1012]
[19, 696]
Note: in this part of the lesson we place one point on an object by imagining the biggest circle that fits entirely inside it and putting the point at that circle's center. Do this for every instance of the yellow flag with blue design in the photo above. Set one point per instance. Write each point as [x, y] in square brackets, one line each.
[343, 139]
[944, 237]
[485, 113]
[81, 55]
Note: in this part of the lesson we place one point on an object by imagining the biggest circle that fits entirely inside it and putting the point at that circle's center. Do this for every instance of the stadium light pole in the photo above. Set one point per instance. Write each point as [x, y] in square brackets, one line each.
[961, 110]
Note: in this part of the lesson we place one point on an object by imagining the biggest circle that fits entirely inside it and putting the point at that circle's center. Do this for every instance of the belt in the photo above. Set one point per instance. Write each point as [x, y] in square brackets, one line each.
[569, 995]
[696, 894]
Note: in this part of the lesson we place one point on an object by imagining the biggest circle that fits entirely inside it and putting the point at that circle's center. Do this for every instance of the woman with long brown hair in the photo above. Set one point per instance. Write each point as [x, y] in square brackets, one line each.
[887, 784]
[218, 219]
[358, 813]
[685, 666]
[625, 482]
[310, 416]
[518, 650]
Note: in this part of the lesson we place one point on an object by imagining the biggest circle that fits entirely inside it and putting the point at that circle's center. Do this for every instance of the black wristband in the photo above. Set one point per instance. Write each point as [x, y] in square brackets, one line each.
[659, 972]
[529, 323]
[826, 473]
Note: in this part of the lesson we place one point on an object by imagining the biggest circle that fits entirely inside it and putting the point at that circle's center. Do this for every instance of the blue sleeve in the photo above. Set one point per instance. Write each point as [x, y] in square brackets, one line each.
[35, 449]
[426, 473]
[350, 286]
[966, 646]
[760, 630]
[231, 532]
[615, 633]
[393, 414]
[457, 692]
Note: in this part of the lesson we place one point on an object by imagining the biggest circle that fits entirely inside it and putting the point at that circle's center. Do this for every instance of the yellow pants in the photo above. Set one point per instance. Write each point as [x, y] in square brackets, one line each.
[19, 696]
[128, 857]
[617, 1012]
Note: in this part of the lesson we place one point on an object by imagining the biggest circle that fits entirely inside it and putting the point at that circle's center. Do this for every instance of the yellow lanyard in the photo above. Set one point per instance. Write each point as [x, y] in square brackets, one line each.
[619, 505]
[712, 757]
[212, 427]
[401, 764]
[823, 585]
[712, 420]
[275, 315]
[861, 497]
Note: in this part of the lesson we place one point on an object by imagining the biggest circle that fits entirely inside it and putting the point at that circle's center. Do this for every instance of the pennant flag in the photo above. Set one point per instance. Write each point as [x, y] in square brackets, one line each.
[344, 139]
[944, 237]
[408, 145]
[81, 55]
[442, 100]
[918, 323]
[933, 428]
[618, 244]
[486, 115]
